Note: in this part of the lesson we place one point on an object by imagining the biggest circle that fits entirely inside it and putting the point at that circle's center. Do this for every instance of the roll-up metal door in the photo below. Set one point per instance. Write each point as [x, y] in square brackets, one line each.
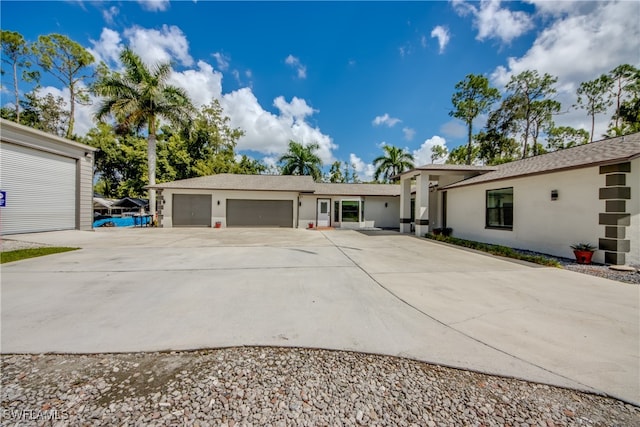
[259, 213]
[40, 190]
[191, 210]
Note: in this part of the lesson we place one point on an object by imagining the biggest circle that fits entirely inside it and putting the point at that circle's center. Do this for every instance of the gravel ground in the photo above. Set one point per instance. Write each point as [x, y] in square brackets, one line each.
[13, 245]
[280, 387]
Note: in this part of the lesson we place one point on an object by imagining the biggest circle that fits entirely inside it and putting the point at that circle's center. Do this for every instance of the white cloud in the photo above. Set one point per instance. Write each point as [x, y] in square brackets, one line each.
[423, 40]
[202, 84]
[364, 170]
[578, 45]
[495, 22]
[295, 63]
[108, 48]
[154, 5]
[454, 129]
[222, 60]
[110, 13]
[408, 133]
[385, 120]
[156, 46]
[422, 155]
[269, 133]
[442, 34]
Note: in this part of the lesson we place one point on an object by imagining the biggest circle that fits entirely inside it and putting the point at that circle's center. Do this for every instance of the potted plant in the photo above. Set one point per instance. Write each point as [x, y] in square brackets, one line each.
[583, 252]
[447, 231]
[437, 231]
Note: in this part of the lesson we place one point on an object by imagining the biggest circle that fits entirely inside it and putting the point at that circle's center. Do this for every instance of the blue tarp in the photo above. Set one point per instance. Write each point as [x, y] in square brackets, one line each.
[127, 221]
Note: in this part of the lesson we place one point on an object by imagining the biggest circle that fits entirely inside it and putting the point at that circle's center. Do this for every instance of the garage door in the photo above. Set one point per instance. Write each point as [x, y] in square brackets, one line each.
[259, 213]
[191, 210]
[41, 190]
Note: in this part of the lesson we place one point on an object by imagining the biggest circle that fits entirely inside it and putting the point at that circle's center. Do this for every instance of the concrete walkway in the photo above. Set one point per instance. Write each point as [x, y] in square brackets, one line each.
[175, 289]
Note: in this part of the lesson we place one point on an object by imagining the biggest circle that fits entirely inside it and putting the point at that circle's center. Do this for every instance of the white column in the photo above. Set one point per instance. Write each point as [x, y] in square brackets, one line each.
[405, 204]
[422, 204]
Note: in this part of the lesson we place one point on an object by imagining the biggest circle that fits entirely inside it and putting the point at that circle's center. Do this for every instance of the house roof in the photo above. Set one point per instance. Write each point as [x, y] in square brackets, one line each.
[102, 201]
[297, 183]
[606, 151]
[226, 181]
[357, 189]
[131, 202]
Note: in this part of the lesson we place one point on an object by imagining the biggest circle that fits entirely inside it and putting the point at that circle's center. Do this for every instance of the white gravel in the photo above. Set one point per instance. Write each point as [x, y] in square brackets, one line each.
[281, 387]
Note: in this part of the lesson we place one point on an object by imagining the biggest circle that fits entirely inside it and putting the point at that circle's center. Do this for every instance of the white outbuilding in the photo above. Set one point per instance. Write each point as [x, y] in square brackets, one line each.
[46, 181]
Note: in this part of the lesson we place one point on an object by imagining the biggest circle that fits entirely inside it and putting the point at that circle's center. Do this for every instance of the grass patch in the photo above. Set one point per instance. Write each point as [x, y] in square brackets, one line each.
[20, 254]
[504, 251]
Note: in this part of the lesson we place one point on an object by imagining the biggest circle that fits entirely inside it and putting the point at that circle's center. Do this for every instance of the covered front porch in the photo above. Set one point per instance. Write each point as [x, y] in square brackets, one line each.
[422, 206]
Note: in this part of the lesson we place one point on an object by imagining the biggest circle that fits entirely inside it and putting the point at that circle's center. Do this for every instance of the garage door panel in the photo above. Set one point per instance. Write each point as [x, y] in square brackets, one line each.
[41, 190]
[259, 213]
[191, 210]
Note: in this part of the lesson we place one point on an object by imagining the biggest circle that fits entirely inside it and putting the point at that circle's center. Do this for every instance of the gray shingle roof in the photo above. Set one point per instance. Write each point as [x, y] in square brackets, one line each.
[303, 184]
[606, 151]
[226, 181]
[358, 189]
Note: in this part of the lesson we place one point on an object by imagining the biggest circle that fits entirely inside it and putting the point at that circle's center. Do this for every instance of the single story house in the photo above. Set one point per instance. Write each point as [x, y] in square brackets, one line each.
[229, 200]
[47, 180]
[589, 193]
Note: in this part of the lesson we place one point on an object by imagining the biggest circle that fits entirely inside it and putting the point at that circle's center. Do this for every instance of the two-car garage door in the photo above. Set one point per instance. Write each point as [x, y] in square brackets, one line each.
[194, 210]
[259, 213]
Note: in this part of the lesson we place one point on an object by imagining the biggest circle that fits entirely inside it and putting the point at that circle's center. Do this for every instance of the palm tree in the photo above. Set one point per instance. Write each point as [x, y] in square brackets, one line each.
[393, 162]
[140, 97]
[302, 160]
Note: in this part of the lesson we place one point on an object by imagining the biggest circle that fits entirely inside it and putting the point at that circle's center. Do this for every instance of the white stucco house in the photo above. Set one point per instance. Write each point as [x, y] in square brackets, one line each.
[229, 200]
[588, 193]
[48, 181]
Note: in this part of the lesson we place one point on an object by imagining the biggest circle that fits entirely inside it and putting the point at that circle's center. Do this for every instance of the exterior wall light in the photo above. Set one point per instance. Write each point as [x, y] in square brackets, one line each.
[554, 194]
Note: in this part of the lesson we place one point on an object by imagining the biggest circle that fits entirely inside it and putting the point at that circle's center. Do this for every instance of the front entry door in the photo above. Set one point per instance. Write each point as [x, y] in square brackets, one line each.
[324, 215]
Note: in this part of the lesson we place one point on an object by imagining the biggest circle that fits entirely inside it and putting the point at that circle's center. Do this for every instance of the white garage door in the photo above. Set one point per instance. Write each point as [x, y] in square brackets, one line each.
[41, 190]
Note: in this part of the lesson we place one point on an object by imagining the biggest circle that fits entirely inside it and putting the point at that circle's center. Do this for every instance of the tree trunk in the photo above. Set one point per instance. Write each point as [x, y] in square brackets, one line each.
[593, 124]
[151, 160]
[15, 88]
[72, 110]
[469, 148]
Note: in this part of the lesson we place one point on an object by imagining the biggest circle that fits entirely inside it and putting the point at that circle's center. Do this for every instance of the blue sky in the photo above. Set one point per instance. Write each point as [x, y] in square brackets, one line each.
[350, 76]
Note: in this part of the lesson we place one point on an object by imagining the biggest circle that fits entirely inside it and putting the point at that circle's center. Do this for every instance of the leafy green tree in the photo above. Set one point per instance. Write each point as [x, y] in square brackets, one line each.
[393, 162]
[474, 96]
[525, 89]
[561, 137]
[120, 165]
[68, 62]
[626, 85]
[15, 53]
[541, 121]
[496, 147]
[302, 160]
[335, 173]
[460, 155]
[47, 113]
[593, 96]
[438, 152]
[139, 97]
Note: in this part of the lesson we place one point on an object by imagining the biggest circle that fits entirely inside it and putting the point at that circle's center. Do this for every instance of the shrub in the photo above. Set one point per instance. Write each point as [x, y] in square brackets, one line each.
[498, 250]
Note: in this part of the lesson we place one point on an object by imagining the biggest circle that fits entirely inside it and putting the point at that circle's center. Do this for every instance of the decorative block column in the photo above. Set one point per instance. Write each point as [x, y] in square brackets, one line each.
[615, 217]
[405, 205]
[422, 204]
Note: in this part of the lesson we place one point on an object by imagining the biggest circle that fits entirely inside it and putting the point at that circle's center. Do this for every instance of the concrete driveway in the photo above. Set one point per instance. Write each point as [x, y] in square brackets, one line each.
[174, 289]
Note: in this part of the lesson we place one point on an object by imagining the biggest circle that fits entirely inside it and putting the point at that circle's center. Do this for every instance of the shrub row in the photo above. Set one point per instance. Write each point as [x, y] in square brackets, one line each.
[495, 250]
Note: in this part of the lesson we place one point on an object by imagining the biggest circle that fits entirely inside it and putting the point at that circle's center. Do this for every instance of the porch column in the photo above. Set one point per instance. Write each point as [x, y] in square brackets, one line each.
[422, 204]
[405, 204]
